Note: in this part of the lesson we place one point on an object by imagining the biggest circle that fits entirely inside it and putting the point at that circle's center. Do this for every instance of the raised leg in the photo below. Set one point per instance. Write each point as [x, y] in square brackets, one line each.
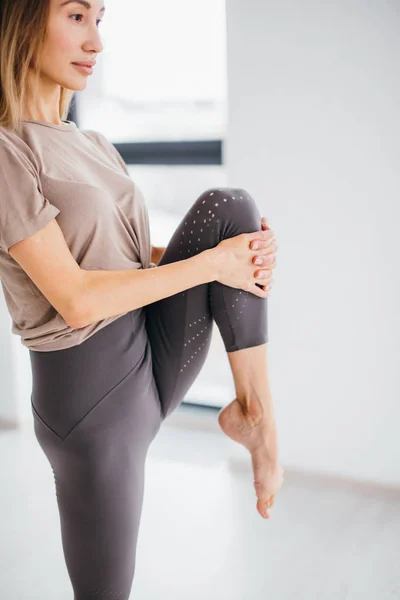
[180, 326]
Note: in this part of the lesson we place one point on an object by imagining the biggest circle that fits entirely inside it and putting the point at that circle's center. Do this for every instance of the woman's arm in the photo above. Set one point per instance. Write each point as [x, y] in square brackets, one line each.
[106, 293]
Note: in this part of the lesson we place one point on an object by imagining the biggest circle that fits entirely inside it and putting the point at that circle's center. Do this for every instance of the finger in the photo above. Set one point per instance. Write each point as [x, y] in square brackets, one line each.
[264, 224]
[266, 248]
[263, 242]
[266, 292]
[267, 257]
[263, 245]
[258, 291]
[261, 291]
[264, 234]
[266, 289]
[266, 266]
[266, 286]
[268, 262]
[264, 276]
[261, 235]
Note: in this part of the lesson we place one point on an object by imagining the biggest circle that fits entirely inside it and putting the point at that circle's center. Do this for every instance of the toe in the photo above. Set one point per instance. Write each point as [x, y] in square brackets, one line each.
[264, 499]
[263, 505]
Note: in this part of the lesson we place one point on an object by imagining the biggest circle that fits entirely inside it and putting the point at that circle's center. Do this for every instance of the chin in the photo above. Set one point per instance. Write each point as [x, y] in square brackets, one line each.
[74, 85]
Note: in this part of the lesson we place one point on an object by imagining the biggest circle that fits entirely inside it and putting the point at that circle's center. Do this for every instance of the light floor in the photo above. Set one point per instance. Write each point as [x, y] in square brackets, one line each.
[201, 537]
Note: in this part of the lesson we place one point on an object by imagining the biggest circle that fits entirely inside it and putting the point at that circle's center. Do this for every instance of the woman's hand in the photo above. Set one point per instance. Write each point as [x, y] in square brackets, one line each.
[266, 262]
[233, 261]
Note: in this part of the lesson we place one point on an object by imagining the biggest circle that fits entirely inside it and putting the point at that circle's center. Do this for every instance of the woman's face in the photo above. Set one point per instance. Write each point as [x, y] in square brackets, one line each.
[72, 36]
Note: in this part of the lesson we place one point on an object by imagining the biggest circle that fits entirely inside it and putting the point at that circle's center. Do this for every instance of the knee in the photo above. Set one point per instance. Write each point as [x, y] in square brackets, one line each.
[228, 204]
[220, 200]
[224, 196]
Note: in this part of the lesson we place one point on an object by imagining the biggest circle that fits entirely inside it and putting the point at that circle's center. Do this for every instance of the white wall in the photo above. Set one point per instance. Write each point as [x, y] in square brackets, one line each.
[314, 136]
[8, 406]
[15, 375]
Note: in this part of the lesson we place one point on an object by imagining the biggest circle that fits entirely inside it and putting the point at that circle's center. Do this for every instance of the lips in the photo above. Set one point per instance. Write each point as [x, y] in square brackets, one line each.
[88, 63]
[83, 68]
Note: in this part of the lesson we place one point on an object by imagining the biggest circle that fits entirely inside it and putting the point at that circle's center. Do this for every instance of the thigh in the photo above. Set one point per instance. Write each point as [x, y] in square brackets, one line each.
[70, 387]
[179, 329]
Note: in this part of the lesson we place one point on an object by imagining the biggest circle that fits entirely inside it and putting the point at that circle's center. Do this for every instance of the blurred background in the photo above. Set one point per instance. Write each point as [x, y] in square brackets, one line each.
[297, 102]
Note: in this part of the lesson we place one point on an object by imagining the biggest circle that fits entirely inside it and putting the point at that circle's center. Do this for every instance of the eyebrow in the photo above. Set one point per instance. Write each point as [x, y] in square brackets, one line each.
[83, 3]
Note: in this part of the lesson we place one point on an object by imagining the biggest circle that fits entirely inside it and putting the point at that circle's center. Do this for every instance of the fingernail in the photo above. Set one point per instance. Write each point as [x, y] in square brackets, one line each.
[256, 245]
[258, 261]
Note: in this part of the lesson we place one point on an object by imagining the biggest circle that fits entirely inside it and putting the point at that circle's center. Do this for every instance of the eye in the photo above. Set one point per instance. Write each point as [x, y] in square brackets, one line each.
[80, 15]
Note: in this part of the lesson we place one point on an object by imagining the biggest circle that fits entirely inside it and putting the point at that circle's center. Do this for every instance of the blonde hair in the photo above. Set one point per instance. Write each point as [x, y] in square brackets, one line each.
[23, 26]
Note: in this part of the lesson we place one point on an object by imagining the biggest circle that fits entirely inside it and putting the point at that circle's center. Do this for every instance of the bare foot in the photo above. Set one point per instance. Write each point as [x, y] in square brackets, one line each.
[247, 426]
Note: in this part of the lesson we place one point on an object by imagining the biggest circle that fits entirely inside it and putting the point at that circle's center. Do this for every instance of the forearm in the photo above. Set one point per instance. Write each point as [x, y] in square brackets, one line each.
[108, 293]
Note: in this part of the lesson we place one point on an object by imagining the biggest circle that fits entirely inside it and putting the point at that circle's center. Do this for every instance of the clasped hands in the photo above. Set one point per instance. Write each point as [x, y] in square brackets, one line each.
[266, 262]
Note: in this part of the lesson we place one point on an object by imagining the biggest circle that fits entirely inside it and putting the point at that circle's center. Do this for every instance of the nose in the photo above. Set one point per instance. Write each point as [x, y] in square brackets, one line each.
[94, 44]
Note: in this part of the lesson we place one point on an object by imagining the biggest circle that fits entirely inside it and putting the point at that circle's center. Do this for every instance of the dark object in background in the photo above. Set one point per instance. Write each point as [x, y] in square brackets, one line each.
[72, 113]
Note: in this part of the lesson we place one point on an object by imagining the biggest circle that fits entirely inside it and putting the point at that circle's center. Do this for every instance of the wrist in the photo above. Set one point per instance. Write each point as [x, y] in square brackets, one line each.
[209, 264]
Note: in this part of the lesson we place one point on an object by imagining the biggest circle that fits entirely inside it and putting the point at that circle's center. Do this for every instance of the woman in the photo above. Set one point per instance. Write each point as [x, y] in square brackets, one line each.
[117, 330]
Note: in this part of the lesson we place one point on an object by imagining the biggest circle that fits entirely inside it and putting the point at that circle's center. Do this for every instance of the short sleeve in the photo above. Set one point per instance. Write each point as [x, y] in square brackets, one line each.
[23, 208]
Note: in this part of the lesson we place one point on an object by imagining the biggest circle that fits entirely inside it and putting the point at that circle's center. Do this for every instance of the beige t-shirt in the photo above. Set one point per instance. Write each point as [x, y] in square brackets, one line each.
[77, 176]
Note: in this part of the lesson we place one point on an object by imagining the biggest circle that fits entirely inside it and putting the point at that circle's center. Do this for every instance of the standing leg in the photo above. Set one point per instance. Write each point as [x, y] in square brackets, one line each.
[96, 410]
[180, 326]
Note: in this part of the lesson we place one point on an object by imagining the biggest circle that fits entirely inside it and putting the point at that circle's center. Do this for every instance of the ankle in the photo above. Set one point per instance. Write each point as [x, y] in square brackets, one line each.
[265, 447]
[258, 407]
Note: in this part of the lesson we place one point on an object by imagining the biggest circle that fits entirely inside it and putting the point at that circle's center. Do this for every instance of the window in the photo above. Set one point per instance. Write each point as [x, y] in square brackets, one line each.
[161, 74]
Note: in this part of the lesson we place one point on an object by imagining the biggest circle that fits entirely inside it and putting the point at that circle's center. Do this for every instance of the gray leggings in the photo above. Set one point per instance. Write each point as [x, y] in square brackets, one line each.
[97, 406]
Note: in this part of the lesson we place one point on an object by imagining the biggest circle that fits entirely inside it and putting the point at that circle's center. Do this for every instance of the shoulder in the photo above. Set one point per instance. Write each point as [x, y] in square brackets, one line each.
[14, 149]
[98, 138]
[101, 141]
